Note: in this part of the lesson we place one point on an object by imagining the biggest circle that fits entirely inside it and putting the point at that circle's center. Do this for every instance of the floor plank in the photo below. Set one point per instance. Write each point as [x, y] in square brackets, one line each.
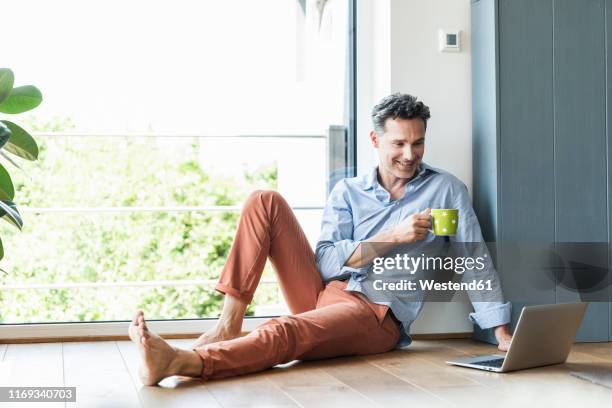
[596, 350]
[253, 390]
[98, 372]
[378, 385]
[311, 386]
[31, 365]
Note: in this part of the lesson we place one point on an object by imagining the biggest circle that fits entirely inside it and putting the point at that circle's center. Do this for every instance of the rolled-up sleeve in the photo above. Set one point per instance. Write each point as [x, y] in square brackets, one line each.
[336, 244]
[490, 309]
[489, 314]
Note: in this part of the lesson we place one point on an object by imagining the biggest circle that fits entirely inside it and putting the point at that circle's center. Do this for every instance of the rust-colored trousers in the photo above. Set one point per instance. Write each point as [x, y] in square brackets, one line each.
[326, 322]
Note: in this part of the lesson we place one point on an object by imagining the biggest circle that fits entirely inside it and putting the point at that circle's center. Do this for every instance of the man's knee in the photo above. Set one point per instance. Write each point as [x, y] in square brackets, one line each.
[261, 198]
[266, 194]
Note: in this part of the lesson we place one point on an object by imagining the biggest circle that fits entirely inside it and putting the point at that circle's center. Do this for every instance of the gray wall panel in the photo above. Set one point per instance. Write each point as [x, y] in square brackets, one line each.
[484, 116]
[608, 6]
[526, 149]
[484, 125]
[580, 145]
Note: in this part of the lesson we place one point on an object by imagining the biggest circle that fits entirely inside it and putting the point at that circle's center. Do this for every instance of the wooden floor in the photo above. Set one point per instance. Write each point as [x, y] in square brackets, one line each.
[105, 376]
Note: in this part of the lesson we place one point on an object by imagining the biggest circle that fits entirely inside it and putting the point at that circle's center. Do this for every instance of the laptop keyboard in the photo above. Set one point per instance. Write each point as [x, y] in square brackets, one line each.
[496, 362]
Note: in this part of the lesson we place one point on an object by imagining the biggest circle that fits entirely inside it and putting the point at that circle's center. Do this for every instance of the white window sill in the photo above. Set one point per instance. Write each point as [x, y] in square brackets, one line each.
[26, 331]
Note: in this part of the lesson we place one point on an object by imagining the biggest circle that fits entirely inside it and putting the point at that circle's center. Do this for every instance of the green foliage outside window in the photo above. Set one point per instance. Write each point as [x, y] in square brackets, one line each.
[121, 246]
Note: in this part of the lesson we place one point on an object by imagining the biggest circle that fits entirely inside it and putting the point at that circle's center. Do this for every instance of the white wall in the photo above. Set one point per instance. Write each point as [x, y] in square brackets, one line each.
[442, 80]
[398, 52]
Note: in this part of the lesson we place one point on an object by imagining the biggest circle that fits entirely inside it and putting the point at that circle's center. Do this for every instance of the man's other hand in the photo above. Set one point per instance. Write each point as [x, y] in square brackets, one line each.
[414, 228]
[503, 336]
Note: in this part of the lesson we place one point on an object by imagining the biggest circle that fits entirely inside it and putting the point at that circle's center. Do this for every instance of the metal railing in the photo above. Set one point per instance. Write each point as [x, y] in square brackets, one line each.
[210, 208]
[124, 284]
[175, 135]
[142, 209]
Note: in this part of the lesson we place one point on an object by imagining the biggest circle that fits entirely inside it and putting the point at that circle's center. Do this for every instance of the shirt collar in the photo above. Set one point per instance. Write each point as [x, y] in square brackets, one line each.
[371, 179]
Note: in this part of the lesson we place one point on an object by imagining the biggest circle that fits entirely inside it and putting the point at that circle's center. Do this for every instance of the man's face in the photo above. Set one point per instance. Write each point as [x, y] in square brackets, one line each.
[400, 147]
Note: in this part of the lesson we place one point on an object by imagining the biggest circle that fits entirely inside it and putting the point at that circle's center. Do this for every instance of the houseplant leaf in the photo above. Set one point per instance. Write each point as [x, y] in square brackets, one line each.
[7, 191]
[20, 143]
[6, 83]
[21, 99]
[8, 211]
[5, 133]
[8, 159]
[1, 253]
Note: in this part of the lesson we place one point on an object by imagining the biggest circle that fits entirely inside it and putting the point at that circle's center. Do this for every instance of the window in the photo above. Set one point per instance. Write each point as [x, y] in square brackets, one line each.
[158, 119]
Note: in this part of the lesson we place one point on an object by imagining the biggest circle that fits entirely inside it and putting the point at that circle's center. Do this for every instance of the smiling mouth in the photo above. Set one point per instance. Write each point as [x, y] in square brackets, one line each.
[404, 164]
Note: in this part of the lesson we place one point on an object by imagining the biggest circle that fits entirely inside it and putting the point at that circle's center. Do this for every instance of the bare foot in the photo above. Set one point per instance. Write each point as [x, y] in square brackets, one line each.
[157, 355]
[229, 325]
[216, 334]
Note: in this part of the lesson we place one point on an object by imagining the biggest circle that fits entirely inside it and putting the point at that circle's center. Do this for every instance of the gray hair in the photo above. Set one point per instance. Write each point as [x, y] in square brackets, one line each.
[398, 105]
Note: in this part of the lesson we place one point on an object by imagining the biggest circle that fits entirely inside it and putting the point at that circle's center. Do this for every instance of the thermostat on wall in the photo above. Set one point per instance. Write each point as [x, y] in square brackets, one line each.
[450, 41]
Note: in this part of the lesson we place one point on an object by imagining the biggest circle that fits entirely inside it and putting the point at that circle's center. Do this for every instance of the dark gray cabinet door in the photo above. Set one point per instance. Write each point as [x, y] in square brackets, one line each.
[608, 6]
[526, 187]
[485, 135]
[579, 71]
[484, 116]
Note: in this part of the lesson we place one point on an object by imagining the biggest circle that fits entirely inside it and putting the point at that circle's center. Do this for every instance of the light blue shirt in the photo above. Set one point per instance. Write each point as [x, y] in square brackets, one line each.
[359, 208]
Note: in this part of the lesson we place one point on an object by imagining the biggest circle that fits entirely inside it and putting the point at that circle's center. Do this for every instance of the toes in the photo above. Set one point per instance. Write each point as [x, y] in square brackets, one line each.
[136, 317]
[142, 322]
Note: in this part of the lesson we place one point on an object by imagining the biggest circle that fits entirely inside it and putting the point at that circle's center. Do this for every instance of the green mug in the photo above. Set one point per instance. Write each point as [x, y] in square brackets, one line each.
[444, 221]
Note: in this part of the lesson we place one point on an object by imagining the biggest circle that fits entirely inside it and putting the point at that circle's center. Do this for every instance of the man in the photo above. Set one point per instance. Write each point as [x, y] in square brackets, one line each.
[332, 312]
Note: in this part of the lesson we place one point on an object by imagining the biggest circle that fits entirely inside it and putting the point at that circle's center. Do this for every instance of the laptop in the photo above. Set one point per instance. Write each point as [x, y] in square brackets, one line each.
[544, 335]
